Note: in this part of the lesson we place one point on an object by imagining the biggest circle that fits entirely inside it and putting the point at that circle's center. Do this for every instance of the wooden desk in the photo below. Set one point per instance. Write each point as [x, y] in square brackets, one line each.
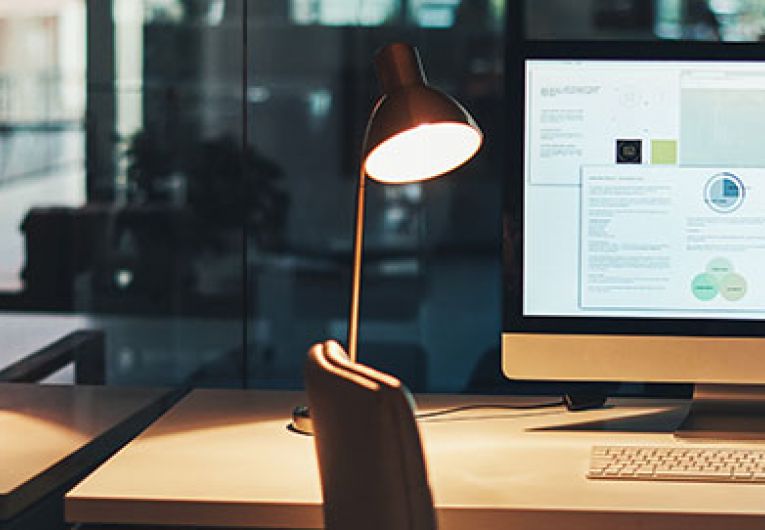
[51, 435]
[225, 458]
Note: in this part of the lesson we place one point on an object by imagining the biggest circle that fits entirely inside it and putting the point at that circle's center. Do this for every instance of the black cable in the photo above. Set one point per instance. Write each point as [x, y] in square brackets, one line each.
[453, 410]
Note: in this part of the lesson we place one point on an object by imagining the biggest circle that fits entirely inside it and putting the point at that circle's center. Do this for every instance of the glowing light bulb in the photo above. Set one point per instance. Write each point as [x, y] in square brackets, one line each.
[423, 152]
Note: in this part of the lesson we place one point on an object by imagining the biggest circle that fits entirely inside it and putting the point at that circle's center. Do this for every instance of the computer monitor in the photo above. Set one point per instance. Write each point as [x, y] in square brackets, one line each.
[634, 243]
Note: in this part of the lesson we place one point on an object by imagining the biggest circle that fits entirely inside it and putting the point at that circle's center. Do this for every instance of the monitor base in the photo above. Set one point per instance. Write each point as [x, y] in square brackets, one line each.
[725, 413]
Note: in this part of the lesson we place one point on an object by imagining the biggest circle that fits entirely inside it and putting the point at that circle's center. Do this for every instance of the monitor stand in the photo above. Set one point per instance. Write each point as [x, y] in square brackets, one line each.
[725, 413]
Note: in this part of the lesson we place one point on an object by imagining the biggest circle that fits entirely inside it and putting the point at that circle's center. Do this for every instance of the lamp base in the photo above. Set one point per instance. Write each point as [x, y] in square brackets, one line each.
[301, 420]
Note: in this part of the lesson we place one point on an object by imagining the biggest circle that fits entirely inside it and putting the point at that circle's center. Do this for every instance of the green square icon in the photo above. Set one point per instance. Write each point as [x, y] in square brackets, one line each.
[664, 152]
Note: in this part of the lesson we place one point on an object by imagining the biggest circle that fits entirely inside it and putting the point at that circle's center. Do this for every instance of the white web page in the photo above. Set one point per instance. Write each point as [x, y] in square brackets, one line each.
[619, 156]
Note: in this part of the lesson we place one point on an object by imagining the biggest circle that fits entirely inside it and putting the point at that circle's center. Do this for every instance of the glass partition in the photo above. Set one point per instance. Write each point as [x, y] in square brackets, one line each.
[430, 295]
[706, 20]
[127, 179]
[182, 174]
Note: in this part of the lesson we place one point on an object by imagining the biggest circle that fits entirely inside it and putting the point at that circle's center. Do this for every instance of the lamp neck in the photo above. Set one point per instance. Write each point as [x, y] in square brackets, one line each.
[358, 249]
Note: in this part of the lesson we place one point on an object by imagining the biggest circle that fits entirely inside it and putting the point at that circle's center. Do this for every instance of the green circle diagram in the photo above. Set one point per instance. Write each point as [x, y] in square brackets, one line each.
[733, 287]
[704, 287]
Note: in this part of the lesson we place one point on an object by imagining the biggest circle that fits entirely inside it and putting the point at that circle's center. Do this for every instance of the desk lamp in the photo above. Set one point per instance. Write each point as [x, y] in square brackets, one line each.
[415, 133]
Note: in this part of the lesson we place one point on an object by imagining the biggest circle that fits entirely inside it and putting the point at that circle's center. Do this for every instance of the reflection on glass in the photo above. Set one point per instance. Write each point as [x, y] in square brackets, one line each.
[145, 243]
[343, 12]
[402, 13]
[429, 252]
[704, 20]
[209, 196]
[42, 73]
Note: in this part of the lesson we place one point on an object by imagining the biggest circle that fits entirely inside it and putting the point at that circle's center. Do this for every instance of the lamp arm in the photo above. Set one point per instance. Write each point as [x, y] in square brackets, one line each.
[358, 250]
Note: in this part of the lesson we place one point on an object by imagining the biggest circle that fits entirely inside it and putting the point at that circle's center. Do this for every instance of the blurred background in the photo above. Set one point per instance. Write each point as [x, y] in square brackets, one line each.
[181, 174]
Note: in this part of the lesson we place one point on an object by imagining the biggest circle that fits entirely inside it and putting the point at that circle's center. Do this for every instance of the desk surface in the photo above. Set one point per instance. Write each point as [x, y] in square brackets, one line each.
[51, 434]
[225, 458]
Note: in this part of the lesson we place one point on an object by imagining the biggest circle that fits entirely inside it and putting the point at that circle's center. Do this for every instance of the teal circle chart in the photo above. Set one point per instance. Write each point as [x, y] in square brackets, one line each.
[704, 287]
[724, 192]
[732, 287]
[719, 277]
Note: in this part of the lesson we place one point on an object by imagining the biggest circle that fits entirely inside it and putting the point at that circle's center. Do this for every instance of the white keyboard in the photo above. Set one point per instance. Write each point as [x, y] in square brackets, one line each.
[695, 464]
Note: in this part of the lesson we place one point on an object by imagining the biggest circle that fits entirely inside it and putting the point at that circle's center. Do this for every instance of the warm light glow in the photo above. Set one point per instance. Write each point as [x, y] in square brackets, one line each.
[31, 444]
[424, 152]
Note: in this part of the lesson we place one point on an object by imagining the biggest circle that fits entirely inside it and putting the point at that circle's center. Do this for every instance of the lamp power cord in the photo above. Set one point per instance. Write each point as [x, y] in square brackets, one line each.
[573, 401]
[489, 406]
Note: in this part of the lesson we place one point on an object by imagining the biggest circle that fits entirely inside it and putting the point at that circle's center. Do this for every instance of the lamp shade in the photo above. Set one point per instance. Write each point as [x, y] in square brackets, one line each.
[415, 132]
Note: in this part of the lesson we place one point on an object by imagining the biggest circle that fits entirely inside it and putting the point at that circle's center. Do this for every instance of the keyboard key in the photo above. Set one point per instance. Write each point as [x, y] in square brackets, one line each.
[686, 474]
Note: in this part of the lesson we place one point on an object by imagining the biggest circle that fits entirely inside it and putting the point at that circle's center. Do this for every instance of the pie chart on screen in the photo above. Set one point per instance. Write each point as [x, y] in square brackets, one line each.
[724, 192]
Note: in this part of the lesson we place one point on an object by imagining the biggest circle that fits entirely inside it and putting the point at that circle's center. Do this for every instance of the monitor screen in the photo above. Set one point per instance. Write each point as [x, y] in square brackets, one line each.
[643, 189]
